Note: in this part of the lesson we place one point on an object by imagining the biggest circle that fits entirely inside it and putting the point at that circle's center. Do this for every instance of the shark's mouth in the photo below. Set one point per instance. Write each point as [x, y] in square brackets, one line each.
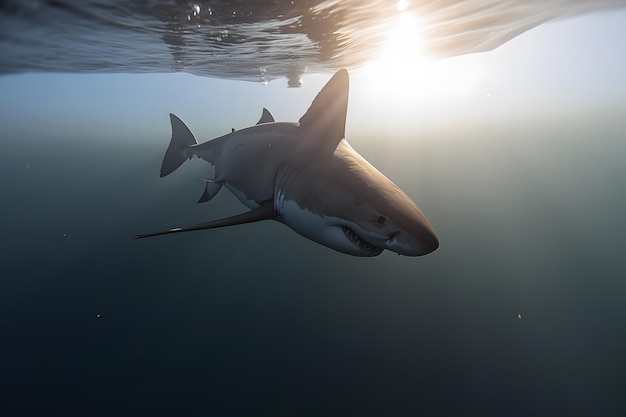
[361, 243]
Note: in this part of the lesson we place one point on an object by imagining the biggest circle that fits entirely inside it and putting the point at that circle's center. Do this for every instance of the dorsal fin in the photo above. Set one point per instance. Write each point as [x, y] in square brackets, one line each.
[266, 117]
[325, 121]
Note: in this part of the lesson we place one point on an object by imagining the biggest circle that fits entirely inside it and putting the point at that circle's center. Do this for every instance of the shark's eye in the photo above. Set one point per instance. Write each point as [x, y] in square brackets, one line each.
[380, 220]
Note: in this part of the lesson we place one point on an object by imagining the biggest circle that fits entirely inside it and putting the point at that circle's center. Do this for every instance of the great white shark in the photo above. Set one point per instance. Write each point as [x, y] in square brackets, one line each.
[308, 177]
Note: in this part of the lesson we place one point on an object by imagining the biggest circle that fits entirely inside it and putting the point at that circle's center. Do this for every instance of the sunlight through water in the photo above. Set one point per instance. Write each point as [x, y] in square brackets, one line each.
[401, 68]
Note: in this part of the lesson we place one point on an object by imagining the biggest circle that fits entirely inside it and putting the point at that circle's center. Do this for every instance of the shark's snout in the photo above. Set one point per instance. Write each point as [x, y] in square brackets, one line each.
[432, 244]
[414, 244]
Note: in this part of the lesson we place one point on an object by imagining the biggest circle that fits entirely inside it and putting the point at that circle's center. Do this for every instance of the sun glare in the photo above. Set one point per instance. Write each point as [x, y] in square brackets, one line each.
[402, 5]
[401, 68]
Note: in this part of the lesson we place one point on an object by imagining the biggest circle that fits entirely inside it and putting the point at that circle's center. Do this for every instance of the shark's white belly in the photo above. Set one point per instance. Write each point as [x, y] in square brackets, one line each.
[325, 230]
[241, 196]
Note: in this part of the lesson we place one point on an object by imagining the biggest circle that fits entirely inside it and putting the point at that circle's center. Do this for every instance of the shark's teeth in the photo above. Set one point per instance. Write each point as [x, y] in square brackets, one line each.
[360, 242]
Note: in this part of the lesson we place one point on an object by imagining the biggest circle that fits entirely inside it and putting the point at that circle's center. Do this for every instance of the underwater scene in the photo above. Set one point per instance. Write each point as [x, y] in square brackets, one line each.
[377, 208]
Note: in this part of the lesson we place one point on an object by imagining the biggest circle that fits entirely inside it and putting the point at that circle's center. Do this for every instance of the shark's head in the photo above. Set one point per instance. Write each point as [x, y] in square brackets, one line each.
[344, 203]
[398, 226]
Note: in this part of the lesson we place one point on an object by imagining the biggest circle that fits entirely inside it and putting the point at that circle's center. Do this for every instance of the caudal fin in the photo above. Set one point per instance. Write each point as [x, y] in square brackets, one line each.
[177, 152]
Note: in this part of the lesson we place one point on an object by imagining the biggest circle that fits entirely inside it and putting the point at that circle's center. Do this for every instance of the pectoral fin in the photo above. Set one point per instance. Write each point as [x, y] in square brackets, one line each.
[264, 212]
[210, 191]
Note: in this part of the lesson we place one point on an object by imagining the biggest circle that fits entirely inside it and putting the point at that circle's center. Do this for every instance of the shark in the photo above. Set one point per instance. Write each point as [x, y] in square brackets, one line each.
[307, 176]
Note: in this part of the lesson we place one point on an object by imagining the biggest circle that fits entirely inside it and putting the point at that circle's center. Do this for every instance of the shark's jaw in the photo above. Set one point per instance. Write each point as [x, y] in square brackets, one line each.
[362, 244]
[337, 234]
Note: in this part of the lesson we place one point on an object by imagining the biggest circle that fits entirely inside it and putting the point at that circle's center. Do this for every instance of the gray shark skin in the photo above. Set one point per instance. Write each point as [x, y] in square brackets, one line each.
[308, 177]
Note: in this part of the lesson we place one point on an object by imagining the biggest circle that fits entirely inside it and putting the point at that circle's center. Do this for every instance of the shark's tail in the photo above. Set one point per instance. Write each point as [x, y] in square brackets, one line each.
[178, 151]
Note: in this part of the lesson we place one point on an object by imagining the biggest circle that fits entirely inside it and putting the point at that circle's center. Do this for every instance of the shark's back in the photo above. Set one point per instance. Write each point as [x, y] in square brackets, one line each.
[247, 160]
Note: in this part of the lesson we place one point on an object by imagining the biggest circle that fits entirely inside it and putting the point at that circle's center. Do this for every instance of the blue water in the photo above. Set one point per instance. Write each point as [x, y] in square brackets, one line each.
[520, 312]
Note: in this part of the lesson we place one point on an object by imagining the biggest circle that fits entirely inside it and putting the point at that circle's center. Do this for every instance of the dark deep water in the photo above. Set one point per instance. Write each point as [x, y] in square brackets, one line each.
[255, 320]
